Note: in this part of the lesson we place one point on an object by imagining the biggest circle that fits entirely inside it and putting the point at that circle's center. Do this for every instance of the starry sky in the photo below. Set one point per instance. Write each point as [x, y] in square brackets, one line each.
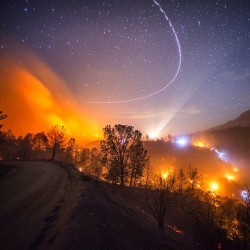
[109, 52]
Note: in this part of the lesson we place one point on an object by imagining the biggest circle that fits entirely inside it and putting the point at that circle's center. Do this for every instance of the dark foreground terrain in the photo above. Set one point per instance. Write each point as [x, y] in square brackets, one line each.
[36, 200]
[49, 206]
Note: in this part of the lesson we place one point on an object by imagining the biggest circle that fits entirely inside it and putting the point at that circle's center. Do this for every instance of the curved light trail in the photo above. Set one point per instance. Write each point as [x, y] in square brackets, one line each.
[169, 83]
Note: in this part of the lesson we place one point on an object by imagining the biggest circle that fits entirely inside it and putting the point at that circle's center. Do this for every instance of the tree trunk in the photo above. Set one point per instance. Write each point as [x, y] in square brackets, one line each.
[131, 178]
[54, 152]
[122, 176]
[161, 224]
[135, 179]
[122, 180]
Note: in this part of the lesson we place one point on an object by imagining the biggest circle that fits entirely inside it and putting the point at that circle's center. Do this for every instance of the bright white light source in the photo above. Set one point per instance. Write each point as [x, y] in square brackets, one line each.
[182, 141]
[123, 141]
[220, 155]
[244, 195]
[153, 135]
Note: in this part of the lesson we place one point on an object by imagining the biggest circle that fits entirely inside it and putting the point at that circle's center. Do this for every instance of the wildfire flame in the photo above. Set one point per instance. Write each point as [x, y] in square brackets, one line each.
[200, 144]
[230, 177]
[35, 98]
[164, 175]
[214, 186]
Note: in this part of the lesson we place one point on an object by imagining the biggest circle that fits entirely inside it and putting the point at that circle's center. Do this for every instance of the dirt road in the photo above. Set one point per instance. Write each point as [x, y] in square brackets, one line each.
[36, 201]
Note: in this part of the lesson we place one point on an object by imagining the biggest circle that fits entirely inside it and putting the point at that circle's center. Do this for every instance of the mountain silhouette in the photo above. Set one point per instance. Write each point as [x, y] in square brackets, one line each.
[242, 121]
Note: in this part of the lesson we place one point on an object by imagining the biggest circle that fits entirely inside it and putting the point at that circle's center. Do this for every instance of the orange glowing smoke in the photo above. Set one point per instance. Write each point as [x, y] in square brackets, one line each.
[35, 98]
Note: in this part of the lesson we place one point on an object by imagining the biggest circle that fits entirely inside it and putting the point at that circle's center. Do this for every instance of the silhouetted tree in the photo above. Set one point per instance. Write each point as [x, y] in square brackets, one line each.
[9, 146]
[181, 178]
[40, 141]
[138, 162]
[118, 149]
[230, 223]
[70, 151]
[95, 165]
[56, 139]
[25, 146]
[243, 216]
[147, 174]
[84, 157]
[2, 117]
[205, 213]
[161, 198]
[194, 177]
[170, 138]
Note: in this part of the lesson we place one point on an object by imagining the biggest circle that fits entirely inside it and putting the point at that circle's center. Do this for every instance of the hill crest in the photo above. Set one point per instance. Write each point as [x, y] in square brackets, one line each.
[241, 121]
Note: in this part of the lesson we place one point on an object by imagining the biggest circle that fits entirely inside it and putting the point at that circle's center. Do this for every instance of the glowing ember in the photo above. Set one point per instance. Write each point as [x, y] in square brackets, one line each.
[164, 175]
[230, 177]
[177, 230]
[235, 169]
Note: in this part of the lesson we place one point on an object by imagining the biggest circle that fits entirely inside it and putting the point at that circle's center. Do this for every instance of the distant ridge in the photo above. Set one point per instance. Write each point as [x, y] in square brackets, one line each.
[231, 137]
[242, 121]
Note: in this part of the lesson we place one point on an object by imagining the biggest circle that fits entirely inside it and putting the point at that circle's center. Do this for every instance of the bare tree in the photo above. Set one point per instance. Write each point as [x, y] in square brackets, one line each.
[147, 174]
[84, 157]
[161, 198]
[56, 139]
[193, 176]
[243, 216]
[70, 151]
[181, 179]
[95, 165]
[206, 215]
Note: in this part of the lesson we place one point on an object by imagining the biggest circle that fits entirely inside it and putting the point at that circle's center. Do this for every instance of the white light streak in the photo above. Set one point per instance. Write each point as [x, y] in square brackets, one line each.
[167, 84]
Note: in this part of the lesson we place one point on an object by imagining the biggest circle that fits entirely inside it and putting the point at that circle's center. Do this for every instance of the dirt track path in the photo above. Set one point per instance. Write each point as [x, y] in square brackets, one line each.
[36, 201]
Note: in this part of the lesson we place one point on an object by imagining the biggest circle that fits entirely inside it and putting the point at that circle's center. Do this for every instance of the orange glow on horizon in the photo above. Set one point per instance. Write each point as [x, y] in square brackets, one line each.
[35, 103]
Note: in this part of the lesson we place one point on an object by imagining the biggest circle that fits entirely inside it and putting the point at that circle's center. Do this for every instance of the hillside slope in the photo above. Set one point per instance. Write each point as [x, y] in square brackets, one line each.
[234, 141]
[107, 220]
[56, 207]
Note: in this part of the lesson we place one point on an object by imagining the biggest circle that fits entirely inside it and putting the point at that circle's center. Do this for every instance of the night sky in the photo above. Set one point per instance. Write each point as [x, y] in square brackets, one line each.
[115, 56]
